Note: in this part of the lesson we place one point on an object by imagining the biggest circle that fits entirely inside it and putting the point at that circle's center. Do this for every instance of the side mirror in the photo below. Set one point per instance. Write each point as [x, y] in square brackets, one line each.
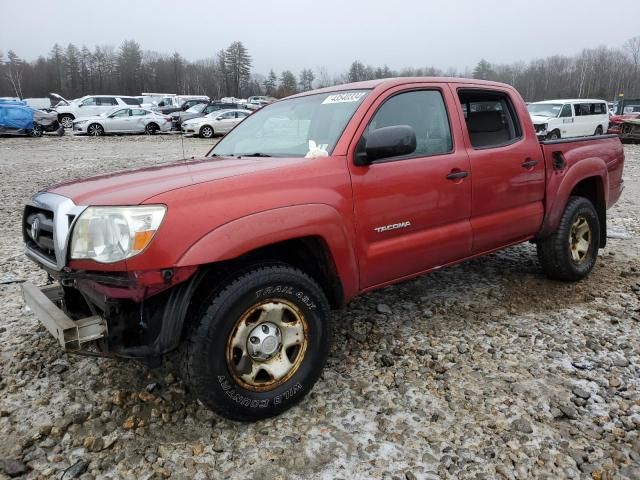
[80, 105]
[387, 142]
[219, 118]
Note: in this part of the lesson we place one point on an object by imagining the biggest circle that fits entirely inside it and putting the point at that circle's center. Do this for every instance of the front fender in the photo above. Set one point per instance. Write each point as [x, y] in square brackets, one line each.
[561, 183]
[257, 230]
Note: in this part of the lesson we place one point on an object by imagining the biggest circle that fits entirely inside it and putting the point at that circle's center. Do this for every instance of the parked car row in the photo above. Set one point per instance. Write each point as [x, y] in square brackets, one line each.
[150, 113]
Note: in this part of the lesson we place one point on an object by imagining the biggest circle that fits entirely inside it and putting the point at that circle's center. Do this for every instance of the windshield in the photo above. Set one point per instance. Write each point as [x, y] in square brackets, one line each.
[285, 128]
[545, 109]
[197, 108]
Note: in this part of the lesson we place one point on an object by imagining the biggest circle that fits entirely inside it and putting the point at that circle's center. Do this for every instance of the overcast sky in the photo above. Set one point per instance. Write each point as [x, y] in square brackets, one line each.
[289, 34]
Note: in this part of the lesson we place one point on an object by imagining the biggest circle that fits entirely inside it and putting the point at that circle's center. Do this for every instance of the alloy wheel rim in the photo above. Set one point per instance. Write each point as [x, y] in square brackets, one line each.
[206, 132]
[66, 122]
[580, 239]
[267, 345]
[94, 130]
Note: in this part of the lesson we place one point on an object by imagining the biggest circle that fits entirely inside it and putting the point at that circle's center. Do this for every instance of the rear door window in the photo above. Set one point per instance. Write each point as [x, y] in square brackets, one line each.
[131, 101]
[490, 118]
[107, 101]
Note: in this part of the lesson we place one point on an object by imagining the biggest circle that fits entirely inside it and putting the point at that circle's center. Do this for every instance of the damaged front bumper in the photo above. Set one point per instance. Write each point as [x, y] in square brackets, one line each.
[70, 334]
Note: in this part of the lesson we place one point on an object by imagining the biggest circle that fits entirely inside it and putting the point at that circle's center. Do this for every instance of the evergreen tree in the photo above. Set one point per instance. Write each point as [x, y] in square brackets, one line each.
[72, 69]
[129, 64]
[483, 70]
[357, 72]
[306, 79]
[288, 84]
[270, 83]
[238, 65]
[56, 58]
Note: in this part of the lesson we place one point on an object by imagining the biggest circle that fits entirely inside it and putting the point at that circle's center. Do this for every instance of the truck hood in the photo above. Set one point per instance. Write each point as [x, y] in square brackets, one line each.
[540, 119]
[132, 187]
[58, 100]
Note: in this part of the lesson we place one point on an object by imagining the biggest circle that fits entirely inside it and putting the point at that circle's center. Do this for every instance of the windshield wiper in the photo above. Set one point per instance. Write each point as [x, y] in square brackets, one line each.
[257, 154]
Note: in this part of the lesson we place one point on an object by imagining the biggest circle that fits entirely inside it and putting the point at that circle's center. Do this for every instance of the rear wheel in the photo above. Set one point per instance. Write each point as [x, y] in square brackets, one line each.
[206, 131]
[66, 120]
[95, 130]
[260, 343]
[152, 129]
[571, 251]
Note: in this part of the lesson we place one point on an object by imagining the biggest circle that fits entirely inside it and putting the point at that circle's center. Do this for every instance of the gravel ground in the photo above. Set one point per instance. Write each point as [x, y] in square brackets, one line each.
[484, 370]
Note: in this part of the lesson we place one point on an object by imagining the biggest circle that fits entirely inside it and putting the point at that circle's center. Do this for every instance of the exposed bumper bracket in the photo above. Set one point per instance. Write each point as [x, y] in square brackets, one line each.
[71, 334]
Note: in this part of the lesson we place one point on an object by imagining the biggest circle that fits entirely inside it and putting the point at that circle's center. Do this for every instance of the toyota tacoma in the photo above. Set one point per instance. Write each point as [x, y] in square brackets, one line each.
[236, 259]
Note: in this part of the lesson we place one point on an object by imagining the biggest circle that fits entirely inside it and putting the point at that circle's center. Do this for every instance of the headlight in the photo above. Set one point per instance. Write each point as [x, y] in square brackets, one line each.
[545, 126]
[111, 234]
[80, 121]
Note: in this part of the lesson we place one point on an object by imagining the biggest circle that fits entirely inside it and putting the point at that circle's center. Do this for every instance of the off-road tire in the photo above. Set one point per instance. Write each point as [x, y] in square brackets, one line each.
[203, 356]
[206, 131]
[554, 252]
[66, 120]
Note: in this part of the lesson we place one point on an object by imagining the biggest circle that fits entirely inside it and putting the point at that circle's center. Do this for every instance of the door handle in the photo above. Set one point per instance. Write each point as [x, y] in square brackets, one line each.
[529, 163]
[457, 175]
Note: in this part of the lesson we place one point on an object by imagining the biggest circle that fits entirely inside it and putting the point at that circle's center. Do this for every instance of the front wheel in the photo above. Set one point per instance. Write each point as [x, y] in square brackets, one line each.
[599, 131]
[260, 343]
[555, 135]
[95, 130]
[570, 252]
[66, 120]
[206, 131]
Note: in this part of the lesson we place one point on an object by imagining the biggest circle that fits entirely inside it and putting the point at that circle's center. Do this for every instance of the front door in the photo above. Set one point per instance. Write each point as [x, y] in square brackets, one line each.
[119, 121]
[567, 121]
[412, 211]
[507, 167]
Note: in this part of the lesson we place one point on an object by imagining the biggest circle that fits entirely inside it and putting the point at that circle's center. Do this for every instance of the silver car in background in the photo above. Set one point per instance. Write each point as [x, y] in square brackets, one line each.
[123, 120]
[215, 123]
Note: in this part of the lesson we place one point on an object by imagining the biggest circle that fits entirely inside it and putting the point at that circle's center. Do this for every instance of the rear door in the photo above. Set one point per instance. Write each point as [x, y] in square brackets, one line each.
[507, 167]
[412, 211]
[139, 119]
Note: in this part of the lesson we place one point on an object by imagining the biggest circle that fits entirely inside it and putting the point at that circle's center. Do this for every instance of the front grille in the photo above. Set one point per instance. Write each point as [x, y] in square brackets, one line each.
[41, 238]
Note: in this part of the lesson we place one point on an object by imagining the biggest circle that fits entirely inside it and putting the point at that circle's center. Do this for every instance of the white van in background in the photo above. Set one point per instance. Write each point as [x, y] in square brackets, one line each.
[555, 119]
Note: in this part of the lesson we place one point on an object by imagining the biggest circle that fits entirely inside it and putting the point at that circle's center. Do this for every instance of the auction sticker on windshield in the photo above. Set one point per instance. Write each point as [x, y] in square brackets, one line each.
[343, 98]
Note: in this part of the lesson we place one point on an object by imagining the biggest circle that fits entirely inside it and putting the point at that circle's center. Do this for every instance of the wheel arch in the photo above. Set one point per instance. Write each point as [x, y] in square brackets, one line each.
[310, 237]
[587, 178]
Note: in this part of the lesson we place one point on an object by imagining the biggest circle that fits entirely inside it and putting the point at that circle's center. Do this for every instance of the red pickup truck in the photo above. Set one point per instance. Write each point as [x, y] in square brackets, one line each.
[237, 258]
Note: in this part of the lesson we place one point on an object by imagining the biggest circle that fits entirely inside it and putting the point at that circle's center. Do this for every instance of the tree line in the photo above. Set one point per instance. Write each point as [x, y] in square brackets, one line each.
[602, 72]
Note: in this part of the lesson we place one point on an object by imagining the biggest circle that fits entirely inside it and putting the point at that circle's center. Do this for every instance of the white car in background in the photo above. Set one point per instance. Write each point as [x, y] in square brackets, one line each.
[123, 120]
[215, 123]
[89, 106]
[554, 119]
